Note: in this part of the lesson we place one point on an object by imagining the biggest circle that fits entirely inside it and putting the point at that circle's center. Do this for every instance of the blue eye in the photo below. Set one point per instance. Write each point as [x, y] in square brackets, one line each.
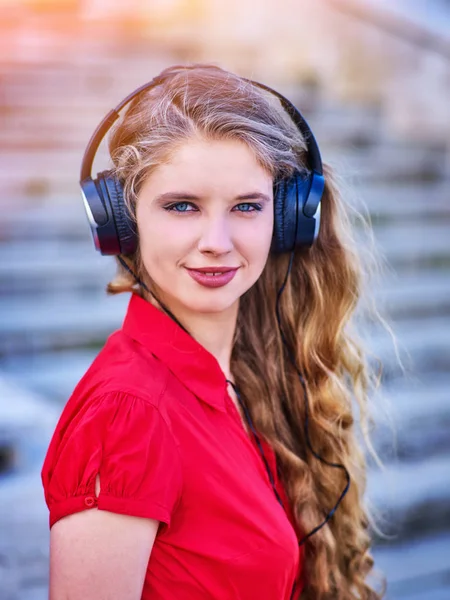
[251, 207]
[255, 206]
[173, 207]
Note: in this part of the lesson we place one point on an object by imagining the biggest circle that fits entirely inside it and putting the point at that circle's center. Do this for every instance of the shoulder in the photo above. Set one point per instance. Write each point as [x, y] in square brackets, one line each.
[124, 382]
[123, 365]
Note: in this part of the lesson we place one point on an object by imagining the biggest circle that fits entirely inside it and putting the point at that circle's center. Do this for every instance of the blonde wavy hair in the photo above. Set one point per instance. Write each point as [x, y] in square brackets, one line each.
[318, 311]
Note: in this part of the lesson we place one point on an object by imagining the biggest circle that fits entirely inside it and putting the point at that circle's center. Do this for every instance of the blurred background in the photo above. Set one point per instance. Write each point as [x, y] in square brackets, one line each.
[373, 78]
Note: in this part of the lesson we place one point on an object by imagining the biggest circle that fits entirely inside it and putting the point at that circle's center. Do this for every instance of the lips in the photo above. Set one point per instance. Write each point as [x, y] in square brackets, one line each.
[213, 269]
[206, 277]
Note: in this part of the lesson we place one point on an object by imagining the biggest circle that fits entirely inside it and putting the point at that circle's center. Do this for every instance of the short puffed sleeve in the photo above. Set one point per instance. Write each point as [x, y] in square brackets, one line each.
[127, 442]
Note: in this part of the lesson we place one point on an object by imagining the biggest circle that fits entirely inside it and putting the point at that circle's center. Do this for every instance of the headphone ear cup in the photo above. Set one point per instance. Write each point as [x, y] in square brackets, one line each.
[279, 244]
[125, 227]
[285, 215]
[292, 227]
[311, 190]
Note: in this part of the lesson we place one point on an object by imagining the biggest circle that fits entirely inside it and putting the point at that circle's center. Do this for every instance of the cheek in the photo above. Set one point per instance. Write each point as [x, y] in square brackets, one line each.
[162, 247]
[255, 247]
[150, 240]
[259, 238]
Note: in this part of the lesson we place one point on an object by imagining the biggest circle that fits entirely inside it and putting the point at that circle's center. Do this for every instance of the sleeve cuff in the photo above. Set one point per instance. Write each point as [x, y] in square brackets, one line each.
[145, 509]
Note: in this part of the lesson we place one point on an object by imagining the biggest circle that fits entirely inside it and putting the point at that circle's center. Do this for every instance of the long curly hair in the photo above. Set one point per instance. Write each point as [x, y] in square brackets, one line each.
[319, 309]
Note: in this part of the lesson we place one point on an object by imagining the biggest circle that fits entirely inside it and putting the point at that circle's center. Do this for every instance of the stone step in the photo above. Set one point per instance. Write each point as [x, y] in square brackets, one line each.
[26, 424]
[33, 231]
[413, 497]
[67, 319]
[61, 265]
[421, 349]
[339, 125]
[413, 418]
[417, 569]
[391, 163]
[52, 220]
[419, 294]
[53, 375]
[77, 85]
[25, 539]
[409, 245]
[407, 202]
[27, 421]
[36, 179]
[67, 130]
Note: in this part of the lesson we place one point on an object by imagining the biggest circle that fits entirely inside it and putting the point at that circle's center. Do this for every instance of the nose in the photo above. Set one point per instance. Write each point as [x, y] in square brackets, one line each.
[215, 237]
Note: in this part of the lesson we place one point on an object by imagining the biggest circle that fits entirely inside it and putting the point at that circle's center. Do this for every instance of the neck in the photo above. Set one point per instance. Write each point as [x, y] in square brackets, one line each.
[215, 333]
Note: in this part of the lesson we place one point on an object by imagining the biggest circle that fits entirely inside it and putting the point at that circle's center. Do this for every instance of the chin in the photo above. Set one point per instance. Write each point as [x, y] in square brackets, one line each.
[212, 307]
[219, 304]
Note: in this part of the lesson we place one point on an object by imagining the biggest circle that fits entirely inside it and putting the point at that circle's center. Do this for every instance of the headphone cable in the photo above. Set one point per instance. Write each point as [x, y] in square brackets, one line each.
[306, 424]
[246, 411]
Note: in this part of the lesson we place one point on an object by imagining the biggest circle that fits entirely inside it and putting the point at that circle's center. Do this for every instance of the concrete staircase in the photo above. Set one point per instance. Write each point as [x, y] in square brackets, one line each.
[55, 314]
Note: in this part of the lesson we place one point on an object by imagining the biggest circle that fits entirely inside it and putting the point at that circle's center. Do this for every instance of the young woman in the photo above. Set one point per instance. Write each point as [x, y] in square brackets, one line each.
[210, 451]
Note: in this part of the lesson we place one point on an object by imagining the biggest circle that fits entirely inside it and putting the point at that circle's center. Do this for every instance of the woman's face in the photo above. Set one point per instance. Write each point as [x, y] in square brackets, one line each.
[210, 205]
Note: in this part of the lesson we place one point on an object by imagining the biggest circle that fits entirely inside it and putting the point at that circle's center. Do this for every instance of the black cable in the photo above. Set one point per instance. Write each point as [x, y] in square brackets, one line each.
[328, 515]
[308, 440]
[257, 440]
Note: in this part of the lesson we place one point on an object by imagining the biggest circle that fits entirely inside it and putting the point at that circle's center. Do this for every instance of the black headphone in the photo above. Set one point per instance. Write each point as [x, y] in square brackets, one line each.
[296, 199]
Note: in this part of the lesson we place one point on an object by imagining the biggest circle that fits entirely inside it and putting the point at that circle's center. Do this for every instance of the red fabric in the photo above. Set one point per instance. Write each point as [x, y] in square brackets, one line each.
[153, 418]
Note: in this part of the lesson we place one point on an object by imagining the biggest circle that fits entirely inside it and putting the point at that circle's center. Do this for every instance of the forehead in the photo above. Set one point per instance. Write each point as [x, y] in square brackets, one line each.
[226, 163]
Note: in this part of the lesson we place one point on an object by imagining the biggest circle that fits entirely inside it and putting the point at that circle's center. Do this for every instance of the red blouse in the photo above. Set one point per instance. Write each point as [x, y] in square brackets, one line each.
[152, 416]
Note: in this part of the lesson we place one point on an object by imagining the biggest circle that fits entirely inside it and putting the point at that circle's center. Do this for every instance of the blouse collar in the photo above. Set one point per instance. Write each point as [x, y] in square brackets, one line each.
[186, 358]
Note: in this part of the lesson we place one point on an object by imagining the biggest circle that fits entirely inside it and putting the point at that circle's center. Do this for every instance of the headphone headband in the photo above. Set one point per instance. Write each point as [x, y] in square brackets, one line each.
[297, 198]
[313, 154]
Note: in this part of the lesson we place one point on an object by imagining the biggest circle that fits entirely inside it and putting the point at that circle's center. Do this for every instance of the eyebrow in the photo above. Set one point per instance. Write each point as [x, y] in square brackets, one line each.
[187, 196]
